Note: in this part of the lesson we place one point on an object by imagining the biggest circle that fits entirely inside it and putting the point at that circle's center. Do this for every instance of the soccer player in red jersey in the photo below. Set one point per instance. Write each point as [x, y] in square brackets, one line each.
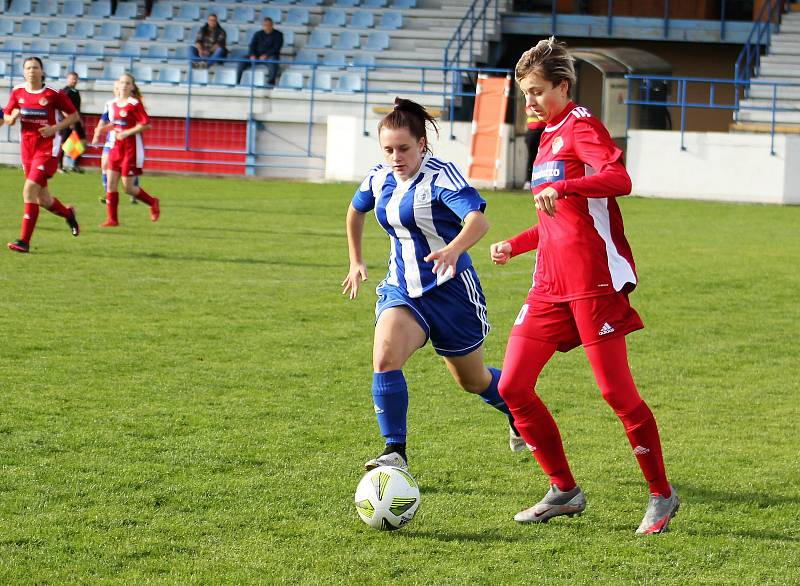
[584, 273]
[126, 157]
[39, 108]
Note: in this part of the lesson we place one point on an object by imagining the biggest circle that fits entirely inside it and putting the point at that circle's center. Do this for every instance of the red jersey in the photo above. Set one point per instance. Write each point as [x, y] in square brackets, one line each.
[581, 252]
[127, 154]
[37, 109]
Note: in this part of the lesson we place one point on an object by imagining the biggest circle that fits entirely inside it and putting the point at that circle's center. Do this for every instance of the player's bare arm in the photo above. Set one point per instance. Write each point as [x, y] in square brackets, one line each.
[11, 119]
[358, 270]
[66, 122]
[138, 129]
[445, 259]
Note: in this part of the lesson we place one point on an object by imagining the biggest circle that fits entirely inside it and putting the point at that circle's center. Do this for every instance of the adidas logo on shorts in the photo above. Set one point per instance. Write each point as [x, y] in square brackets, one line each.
[606, 329]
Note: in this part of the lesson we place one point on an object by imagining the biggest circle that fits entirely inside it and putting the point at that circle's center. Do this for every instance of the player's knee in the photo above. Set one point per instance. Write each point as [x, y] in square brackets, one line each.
[471, 385]
[384, 360]
[510, 391]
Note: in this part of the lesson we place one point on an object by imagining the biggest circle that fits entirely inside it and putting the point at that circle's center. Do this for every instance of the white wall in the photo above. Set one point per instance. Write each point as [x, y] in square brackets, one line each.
[715, 166]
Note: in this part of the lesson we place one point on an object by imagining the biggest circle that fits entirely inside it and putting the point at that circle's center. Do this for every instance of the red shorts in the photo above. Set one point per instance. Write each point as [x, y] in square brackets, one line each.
[123, 159]
[40, 168]
[580, 322]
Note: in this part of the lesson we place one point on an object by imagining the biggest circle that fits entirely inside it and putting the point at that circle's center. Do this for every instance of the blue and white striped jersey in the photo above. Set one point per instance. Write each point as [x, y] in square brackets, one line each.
[420, 215]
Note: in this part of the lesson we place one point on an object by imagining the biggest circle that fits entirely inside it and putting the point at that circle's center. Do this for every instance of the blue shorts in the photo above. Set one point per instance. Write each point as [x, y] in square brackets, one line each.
[452, 315]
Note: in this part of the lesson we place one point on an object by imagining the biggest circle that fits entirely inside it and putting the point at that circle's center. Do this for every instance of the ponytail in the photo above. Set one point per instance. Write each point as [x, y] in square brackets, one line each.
[411, 115]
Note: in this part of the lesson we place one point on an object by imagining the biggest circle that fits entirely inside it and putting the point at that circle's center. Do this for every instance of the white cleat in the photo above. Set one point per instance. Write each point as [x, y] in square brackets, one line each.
[392, 459]
[659, 513]
[515, 441]
[554, 503]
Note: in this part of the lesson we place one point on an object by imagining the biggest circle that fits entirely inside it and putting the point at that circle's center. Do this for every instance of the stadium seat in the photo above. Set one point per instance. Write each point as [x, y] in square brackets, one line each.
[404, 4]
[232, 35]
[169, 75]
[94, 49]
[225, 77]
[364, 59]
[6, 27]
[291, 80]
[258, 78]
[297, 17]
[19, 8]
[305, 57]
[272, 12]
[220, 11]
[125, 10]
[161, 11]
[84, 29]
[319, 39]
[346, 3]
[67, 48]
[173, 33]
[189, 12]
[288, 38]
[350, 82]
[129, 49]
[310, 2]
[336, 60]
[362, 20]
[13, 45]
[321, 80]
[39, 46]
[46, 8]
[142, 73]
[377, 41]
[391, 21]
[56, 28]
[72, 9]
[243, 15]
[100, 9]
[30, 27]
[82, 69]
[113, 70]
[347, 41]
[52, 70]
[334, 17]
[156, 51]
[109, 31]
[144, 31]
[2, 68]
[374, 3]
[199, 76]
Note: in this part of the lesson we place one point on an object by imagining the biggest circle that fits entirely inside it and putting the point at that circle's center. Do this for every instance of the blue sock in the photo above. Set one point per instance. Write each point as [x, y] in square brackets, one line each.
[492, 396]
[390, 395]
[105, 181]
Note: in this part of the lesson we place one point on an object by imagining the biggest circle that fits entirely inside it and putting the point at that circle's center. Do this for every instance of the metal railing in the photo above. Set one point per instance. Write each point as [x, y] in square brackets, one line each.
[683, 103]
[749, 60]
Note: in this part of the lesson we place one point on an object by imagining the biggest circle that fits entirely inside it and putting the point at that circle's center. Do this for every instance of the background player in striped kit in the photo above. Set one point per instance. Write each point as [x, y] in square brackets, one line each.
[39, 107]
[431, 290]
[584, 273]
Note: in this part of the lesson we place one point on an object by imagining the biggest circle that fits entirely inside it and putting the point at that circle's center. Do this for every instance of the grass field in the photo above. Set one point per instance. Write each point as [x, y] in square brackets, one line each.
[188, 402]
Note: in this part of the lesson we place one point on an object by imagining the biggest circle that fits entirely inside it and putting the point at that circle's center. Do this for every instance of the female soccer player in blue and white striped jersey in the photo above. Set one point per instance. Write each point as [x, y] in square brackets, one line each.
[433, 216]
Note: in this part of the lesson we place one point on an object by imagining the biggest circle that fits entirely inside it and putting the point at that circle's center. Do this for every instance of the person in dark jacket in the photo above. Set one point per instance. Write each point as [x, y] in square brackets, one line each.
[265, 45]
[71, 90]
[209, 46]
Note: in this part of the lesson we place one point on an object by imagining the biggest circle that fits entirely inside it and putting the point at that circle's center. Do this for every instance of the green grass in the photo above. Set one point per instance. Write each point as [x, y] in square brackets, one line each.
[188, 402]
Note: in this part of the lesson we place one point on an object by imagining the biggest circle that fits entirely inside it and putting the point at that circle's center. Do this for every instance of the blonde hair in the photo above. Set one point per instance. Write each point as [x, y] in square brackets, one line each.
[549, 59]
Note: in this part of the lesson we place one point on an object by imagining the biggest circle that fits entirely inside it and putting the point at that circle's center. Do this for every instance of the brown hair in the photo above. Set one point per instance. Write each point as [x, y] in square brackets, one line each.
[410, 115]
[135, 91]
[551, 60]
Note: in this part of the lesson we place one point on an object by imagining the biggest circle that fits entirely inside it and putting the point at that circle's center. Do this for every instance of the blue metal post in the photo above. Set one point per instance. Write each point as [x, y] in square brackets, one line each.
[252, 130]
[683, 112]
[366, 94]
[610, 16]
[311, 108]
[722, 20]
[666, 19]
[553, 25]
[772, 126]
[628, 109]
[188, 123]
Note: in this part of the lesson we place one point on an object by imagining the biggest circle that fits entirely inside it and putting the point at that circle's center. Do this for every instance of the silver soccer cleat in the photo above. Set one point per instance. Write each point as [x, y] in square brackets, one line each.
[659, 513]
[553, 504]
[393, 459]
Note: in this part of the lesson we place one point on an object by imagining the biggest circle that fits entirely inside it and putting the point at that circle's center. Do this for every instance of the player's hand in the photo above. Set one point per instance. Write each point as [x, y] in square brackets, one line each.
[444, 261]
[500, 252]
[545, 200]
[47, 131]
[122, 135]
[356, 276]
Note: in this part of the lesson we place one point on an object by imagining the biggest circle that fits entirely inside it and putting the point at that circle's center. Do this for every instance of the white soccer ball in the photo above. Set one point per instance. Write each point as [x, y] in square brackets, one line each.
[387, 498]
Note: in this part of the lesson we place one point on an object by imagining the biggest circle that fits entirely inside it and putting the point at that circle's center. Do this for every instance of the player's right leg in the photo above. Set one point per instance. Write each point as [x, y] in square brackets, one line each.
[112, 198]
[398, 334]
[30, 198]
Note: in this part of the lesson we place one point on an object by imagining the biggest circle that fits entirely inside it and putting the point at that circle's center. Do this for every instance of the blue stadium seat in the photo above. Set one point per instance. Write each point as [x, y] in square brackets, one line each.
[94, 49]
[374, 3]
[30, 27]
[173, 33]
[13, 45]
[232, 35]
[288, 38]
[377, 41]
[346, 3]
[364, 59]
[72, 8]
[335, 60]
[322, 80]
[189, 12]
[39, 47]
[125, 10]
[169, 74]
[297, 17]
[156, 51]
[306, 57]
[220, 11]
[244, 15]
[19, 8]
[310, 2]
[162, 11]
[291, 80]
[142, 73]
[319, 39]
[145, 31]
[46, 8]
[272, 12]
[84, 29]
[225, 76]
[113, 70]
[350, 82]
[67, 47]
[6, 27]
[199, 76]
[56, 28]
[391, 21]
[129, 49]
[362, 20]
[403, 4]
[2, 68]
[100, 9]
[347, 41]
[109, 31]
[257, 78]
[52, 70]
[334, 17]
[82, 69]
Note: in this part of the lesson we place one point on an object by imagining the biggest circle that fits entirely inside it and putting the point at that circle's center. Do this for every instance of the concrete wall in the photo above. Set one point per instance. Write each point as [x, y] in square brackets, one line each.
[715, 166]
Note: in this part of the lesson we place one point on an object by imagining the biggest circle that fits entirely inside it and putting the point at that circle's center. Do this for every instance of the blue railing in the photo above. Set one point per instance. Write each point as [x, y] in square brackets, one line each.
[749, 60]
[438, 89]
[682, 102]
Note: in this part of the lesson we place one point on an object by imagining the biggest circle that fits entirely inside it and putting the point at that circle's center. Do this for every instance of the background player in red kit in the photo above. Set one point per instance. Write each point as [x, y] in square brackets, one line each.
[39, 108]
[584, 273]
[126, 157]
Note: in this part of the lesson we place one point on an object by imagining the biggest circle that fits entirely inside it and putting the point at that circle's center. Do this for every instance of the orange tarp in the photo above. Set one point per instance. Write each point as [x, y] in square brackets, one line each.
[491, 102]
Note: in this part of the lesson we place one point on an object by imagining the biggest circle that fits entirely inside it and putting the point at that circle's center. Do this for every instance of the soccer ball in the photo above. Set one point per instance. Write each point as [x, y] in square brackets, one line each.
[387, 498]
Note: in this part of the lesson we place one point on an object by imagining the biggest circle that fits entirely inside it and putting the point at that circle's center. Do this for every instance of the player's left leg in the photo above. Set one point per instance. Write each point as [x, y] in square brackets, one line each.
[129, 183]
[30, 198]
[54, 206]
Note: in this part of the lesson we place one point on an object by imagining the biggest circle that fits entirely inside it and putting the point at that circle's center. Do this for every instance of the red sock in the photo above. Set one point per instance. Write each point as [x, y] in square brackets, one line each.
[145, 197]
[642, 431]
[29, 218]
[58, 208]
[524, 360]
[112, 201]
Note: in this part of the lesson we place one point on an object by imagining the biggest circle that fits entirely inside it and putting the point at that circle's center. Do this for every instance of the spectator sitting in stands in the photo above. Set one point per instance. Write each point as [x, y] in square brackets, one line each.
[210, 43]
[265, 44]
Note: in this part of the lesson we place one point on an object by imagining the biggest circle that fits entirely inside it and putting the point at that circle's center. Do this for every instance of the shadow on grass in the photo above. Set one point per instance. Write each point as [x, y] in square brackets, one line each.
[477, 537]
[189, 258]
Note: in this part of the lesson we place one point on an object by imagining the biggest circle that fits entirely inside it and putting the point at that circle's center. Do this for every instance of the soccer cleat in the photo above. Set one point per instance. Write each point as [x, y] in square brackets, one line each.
[659, 513]
[392, 459]
[515, 441]
[109, 224]
[554, 503]
[72, 222]
[19, 246]
[155, 210]
[134, 200]
[103, 200]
